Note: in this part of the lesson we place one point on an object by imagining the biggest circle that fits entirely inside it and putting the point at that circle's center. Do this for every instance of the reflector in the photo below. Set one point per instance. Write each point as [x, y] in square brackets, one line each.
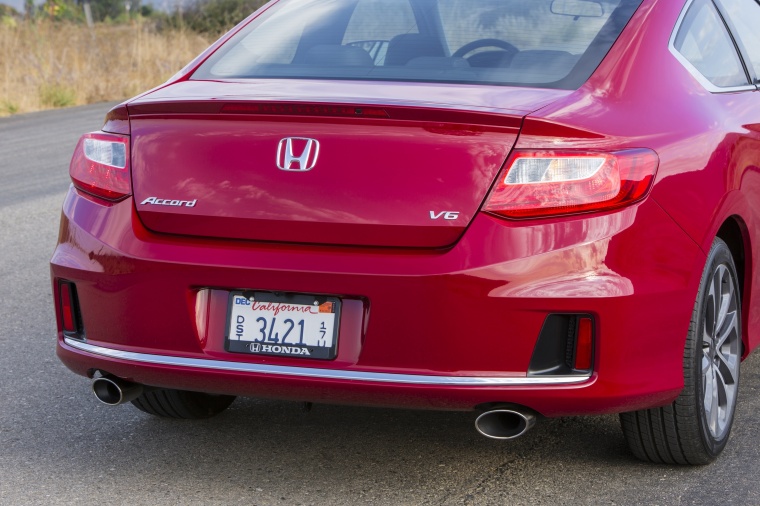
[584, 344]
[68, 316]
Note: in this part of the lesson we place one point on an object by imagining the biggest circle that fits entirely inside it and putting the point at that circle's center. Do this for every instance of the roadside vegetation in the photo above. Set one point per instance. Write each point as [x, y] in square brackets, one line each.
[51, 56]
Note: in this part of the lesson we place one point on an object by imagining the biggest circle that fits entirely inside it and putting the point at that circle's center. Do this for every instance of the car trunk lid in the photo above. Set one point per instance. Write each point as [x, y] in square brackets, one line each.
[229, 160]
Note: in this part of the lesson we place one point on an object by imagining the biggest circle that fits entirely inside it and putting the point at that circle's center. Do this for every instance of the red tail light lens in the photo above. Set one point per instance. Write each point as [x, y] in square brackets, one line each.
[68, 307]
[584, 344]
[100, 166]
[537, 184]
[306, 110]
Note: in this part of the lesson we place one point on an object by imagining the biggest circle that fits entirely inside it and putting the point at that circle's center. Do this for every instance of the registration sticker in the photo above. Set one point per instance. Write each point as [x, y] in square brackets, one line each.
[289, 325]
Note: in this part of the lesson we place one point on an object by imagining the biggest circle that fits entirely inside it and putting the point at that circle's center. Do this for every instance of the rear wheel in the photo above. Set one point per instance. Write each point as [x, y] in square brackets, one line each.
[182, 404]
[694, 429]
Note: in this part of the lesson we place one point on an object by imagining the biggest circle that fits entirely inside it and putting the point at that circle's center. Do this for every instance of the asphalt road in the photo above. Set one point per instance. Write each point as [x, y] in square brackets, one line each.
[59, 445]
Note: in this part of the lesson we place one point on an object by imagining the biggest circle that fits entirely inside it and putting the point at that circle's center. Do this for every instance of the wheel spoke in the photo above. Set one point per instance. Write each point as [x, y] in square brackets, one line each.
[708, 321]
[724, 299]
[722, 388]
[726, 367]
[714, 402]
[706, 362]
[723, 333]
[713, 303]
[707, 339]
[707, 381]
[725, 400]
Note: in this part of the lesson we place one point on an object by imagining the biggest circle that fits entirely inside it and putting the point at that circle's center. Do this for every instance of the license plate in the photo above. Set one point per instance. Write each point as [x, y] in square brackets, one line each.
[287, 325]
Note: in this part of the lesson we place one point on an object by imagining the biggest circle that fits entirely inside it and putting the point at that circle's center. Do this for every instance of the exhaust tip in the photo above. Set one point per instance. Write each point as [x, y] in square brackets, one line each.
[113, 391]
[504, 423]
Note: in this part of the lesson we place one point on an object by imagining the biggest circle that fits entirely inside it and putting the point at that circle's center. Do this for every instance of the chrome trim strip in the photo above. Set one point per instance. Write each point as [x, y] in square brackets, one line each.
[706, 84]
[310, 372]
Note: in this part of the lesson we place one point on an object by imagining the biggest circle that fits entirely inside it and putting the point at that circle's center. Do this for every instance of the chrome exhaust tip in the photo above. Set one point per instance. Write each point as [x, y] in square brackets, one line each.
[504, 423]
[114, 391]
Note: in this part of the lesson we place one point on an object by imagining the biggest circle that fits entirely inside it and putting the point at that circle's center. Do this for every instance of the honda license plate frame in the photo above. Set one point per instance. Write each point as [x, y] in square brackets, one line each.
[312, 331]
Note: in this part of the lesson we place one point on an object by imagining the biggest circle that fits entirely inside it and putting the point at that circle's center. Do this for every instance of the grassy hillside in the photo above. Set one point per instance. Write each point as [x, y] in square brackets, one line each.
[45, 64]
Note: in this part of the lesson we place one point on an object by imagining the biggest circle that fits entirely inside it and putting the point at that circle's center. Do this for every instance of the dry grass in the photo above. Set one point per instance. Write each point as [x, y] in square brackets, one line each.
[45, 64]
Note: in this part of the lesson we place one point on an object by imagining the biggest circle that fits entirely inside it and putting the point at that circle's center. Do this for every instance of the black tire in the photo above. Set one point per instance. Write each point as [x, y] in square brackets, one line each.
[182, 404]
[681, 432]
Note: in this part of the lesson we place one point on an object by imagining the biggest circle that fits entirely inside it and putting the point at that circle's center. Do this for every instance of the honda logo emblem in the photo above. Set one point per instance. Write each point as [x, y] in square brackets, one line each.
[308, 150]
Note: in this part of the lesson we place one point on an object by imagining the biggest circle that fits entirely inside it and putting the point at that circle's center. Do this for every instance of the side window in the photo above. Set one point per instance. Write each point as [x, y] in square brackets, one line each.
[375, 22]
[704, 41]
[745, 16]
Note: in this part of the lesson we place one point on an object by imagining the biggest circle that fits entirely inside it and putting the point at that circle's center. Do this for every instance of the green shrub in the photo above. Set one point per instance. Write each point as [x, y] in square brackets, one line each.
[7, 10]
[61, 10]
[9, 107]
[53, 95]
[8, 21]
[214, 17]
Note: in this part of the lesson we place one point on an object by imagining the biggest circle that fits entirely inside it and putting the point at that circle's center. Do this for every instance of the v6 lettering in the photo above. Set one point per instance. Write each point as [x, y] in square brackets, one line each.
[446, 215]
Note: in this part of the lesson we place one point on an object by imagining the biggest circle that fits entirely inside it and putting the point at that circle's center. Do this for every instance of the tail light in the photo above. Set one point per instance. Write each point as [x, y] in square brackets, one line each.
[537, 184]
[100, 166]
[306, 110]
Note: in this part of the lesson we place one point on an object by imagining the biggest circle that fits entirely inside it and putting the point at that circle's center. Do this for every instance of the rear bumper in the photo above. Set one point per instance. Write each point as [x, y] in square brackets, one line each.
[548, 396]
[449, 329]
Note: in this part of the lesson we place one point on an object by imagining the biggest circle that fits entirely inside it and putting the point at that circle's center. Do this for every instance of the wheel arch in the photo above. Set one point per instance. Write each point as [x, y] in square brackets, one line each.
[734, 232]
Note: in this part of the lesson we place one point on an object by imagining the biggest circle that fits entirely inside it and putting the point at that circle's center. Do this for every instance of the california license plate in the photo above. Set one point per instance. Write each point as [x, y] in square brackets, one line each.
[287, 325]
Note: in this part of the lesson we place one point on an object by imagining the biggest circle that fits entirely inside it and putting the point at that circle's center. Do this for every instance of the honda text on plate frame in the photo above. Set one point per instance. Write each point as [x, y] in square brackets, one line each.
[520, 208]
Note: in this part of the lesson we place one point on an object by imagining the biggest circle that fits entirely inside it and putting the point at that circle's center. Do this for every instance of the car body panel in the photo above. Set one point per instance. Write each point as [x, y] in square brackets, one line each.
[708, 145]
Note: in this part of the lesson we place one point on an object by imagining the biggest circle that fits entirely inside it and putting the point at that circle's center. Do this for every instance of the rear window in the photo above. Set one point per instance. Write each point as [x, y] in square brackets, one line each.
[541, 43]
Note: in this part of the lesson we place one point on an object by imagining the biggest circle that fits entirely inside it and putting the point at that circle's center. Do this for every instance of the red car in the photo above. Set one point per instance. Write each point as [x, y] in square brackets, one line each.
[520, 207]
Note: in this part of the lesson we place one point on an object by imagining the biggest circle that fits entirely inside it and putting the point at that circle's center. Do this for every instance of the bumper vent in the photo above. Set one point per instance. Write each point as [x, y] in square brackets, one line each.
[565, 346]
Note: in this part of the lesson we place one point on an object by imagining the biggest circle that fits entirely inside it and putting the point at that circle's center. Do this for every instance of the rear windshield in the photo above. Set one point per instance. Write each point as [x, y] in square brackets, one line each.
[541, 43]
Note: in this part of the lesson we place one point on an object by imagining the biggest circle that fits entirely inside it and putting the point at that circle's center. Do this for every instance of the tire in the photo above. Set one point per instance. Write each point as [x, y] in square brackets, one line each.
[182, 404]
[694, 429]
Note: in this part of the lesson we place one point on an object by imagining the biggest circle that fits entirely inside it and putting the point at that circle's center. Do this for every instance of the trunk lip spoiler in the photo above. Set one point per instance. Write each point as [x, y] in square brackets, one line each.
[409, 112]
[497, 100]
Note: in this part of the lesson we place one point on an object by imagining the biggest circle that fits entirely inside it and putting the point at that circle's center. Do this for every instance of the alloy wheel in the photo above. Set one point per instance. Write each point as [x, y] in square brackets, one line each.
[720, 351]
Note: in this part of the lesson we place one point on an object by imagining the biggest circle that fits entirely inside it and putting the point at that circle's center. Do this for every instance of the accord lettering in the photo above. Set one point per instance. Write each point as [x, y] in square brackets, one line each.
[168, 202]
